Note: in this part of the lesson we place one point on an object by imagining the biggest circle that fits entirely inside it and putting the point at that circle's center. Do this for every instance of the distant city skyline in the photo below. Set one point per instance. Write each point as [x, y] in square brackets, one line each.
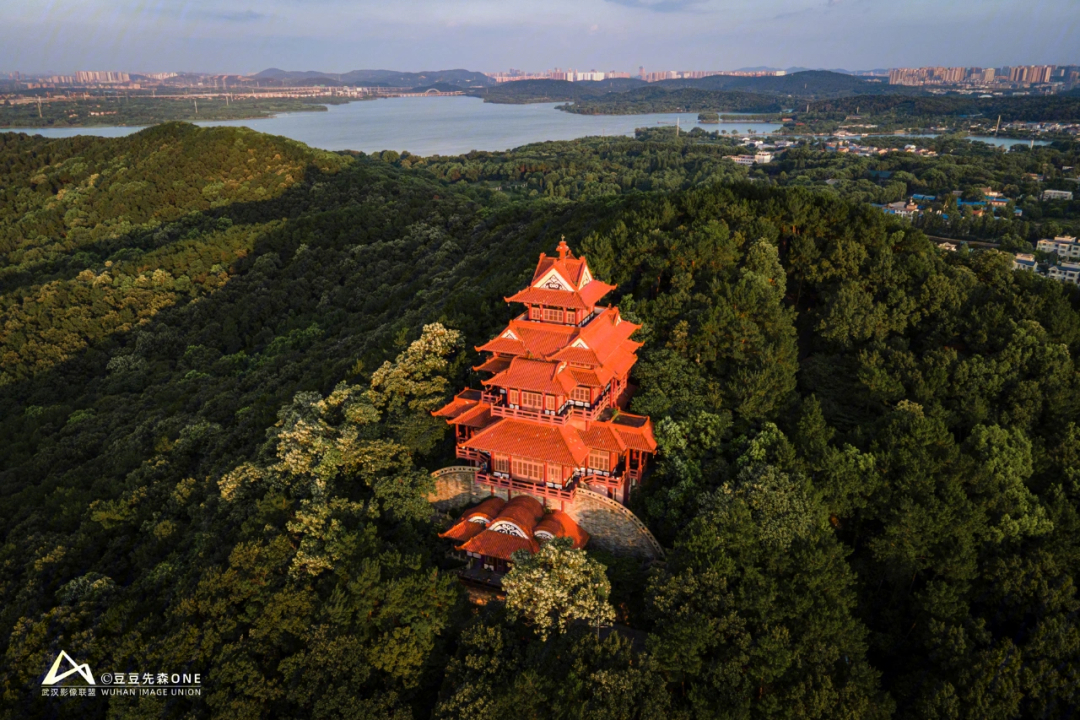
[66, 36]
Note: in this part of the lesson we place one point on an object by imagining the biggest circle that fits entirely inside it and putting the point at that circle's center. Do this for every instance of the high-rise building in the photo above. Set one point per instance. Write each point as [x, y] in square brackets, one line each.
[1021, 74]
[104, 78]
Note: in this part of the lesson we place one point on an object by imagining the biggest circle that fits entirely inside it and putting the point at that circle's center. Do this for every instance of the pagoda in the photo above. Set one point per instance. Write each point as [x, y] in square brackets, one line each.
[551, 417]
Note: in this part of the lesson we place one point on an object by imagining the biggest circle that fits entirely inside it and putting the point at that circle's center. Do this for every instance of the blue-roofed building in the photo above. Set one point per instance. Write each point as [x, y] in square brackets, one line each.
[1065, 272]
[1025, 261]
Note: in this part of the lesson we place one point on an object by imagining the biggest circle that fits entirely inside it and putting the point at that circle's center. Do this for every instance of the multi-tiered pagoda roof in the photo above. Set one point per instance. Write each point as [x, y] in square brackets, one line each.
[551, 417]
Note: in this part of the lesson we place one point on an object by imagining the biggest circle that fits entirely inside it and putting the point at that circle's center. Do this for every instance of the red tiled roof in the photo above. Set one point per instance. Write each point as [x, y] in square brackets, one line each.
[527, 514]
[559, 524]
[495, 364]
[526, 502]
[477, 417]
[617, 359]
[469, 525]
[500, 344]
[593, 292]
[583, 299]
[607, 332]
[583, 356]
[543, 340]
[637, 436]
[464, 530]
[489, 509]
[524, 511]
[570, 268]
[601, 436]
[547, 296]
[532, 338]
[464, 400]
[593, 378]
[620, 361]
[498, 545]
[605, 336]
[541, 442]
[535, 375]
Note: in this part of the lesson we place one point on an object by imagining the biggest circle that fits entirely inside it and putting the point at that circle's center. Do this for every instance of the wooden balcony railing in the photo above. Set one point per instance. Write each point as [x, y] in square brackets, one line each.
[533, 488]
[534, 415]
[500, 408]
[609, 481]
[464, 453]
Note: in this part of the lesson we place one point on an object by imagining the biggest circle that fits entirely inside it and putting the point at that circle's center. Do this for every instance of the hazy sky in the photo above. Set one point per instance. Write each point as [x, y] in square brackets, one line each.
[340, 35]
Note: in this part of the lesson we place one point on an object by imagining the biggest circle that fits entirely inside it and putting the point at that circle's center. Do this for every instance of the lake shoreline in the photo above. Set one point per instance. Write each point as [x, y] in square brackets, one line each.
[446, 126]
[236, 112]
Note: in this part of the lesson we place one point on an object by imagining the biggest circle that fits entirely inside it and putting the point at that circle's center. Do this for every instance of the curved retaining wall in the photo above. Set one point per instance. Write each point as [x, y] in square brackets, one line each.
[612, 526]
[455, 488]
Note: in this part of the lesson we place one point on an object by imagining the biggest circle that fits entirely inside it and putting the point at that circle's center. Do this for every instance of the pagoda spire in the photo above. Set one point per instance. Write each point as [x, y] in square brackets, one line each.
[564, 249]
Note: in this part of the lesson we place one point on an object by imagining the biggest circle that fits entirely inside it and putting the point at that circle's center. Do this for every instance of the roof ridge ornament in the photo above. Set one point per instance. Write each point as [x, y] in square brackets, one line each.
[564, 250]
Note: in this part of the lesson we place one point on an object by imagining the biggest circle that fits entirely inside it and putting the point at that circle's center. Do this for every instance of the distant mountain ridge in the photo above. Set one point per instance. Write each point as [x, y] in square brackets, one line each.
[460, 78]
[796, 81]
[799, 68]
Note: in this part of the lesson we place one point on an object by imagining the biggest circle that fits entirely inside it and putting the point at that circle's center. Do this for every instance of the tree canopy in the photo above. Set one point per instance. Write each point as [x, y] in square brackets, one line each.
[219, 358]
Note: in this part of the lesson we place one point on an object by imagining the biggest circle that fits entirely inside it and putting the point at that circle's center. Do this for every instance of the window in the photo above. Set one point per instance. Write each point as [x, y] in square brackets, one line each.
[581, 394]
[532, 400]
[502, 464]
[513, 397]
[549, 402]
[528, 469]
[554, 473]
[534, 313]
[599, 459]
[553, 315]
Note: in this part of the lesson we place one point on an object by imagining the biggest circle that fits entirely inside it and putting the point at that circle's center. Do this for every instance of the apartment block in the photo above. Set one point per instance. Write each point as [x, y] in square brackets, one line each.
[1057, 195]
[1064, 246]
[1065, 272]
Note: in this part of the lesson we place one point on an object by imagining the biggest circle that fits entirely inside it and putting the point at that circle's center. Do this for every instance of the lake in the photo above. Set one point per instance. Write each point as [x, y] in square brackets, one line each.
[454, 125]
[440, 125]
[988, 139]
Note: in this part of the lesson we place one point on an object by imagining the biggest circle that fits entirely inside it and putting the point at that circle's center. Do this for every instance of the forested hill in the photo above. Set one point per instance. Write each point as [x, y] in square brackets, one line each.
[807, 85]
[657, 99]
[1047, 108]
[537, 91]
[393, 78]
[866, 482]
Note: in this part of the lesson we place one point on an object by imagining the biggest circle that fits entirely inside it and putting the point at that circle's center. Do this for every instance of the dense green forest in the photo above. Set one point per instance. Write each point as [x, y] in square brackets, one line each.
[221, 348]
[658, 99]
[1043, 108]
[810, 84]
[885, 109]
[522, 92]
[596, 167]
[143, 109]
[806, 83]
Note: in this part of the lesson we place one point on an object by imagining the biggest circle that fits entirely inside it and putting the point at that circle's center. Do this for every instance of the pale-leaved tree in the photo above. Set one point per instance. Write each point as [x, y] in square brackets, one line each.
[556, 587]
